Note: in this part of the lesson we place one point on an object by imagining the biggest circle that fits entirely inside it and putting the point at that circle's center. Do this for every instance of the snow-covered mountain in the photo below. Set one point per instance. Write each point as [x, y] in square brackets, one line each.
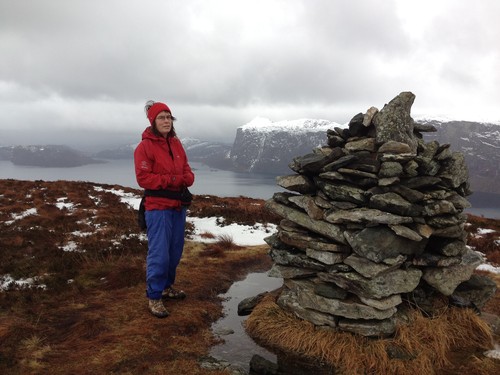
[480, 144]
[268, 147]
[211, 153]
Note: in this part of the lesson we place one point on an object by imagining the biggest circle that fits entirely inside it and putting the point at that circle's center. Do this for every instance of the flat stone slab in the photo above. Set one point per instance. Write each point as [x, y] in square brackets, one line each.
[394, 282]
[328, 230]
[365, 216]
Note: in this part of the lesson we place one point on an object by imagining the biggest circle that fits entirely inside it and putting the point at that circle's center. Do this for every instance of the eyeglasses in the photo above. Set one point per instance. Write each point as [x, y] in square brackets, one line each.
[164, 117]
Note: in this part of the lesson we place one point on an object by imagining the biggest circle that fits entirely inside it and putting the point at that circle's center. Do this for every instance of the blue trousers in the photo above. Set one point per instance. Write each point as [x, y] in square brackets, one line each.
[165, 245]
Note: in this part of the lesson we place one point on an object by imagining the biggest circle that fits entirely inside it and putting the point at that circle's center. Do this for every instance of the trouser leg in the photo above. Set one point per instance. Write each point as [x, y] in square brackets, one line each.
[159, 233]
[176, 244]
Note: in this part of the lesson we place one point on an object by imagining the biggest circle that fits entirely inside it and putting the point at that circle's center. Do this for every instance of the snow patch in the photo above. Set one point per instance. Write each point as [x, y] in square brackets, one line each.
[242, 235]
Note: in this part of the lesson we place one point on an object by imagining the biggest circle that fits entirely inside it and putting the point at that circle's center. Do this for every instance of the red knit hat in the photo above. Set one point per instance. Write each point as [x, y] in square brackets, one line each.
[155, 109]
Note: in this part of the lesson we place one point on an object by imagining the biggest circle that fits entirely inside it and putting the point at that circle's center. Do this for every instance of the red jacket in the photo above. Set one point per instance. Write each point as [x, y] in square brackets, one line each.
[161, 164]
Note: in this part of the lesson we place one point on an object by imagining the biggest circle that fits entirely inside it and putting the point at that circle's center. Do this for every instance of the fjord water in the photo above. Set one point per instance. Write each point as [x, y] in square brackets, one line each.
[208, 181]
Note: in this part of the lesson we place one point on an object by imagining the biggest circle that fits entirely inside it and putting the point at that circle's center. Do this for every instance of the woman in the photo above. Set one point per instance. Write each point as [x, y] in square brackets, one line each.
[162, 168]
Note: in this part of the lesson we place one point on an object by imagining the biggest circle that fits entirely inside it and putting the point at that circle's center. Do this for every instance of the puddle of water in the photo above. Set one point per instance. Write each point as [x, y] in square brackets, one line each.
[238, 347]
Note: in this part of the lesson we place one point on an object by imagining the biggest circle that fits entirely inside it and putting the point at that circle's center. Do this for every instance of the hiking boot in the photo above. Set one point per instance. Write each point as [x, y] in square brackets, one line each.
[173, 293]
[157, 308]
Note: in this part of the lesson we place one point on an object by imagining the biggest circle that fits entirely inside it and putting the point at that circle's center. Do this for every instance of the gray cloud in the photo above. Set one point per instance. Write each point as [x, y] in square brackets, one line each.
[87, 66]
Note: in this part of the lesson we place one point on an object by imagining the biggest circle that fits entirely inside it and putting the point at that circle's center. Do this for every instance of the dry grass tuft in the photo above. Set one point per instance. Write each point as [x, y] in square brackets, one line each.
[428, 344]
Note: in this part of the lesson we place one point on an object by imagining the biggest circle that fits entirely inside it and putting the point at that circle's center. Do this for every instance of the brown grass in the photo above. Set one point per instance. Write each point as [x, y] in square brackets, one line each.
[93, 317]
[430, 343]
[487, 243]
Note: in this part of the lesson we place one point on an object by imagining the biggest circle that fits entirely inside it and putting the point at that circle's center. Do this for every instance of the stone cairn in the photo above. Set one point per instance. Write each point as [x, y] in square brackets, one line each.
[373, 219]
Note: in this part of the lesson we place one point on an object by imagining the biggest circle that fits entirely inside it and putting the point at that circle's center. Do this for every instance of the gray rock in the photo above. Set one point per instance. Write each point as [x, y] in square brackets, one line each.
[444, 154]
[341, 162]
[368, 328]
[421, 182]
[335, 141]
[294, 259]
[424, 127]
[436, 194]
[447, 247]
[371, 269]
[393, 147]
[478, 290]
[454, 231]
[405, 232]
[260, 365]
[410, 168]
[444, 221]
[394, 203]
[356, 127]
[365, 144]
[329, 290]
[224, 331]
[282, 197]
[429, 167]
[341, 192]
[336, 176]
[441, 207]
[458, 201]
[446, 279]
[424, 230]
[368, 116]
[366, 165]
[343, 205]
[364, 216]
[325, 257]
[346, 308]
[314, 162]
[246, 306]
[377, 244]
[435, 260]
[390, 169]
[322, 202]
[298, 183]
[297, 240]
[388, 181]
[290, 226]
[394, 123]
[382, 303]
[288, 300]
[286, 272]
[410, 195]
[357, 173]
[328, 230]
[429, 150]
[400, 158]
[393, 282]
[328, 246]
[454, 170]
[307, 204]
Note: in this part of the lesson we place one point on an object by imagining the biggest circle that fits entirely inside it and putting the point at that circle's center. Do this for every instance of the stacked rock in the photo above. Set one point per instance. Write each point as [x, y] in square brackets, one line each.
[370, 219]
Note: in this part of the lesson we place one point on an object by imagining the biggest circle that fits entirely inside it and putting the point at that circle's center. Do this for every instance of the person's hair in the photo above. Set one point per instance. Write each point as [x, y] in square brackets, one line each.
[171, 133]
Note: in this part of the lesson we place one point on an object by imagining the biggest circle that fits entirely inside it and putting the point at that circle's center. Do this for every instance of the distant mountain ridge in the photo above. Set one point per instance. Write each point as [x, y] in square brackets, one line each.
[47, 156]
[263, 146]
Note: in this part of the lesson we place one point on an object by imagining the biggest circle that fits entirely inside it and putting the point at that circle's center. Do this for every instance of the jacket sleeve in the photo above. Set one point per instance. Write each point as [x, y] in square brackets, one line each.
[187, 173]
[144, 172]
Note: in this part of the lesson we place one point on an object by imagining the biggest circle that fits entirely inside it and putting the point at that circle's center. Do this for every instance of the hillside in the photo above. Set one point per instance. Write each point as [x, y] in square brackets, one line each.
[76, 301]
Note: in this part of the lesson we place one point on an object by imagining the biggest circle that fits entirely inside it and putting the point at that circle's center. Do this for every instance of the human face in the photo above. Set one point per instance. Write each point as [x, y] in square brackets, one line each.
[164, 123]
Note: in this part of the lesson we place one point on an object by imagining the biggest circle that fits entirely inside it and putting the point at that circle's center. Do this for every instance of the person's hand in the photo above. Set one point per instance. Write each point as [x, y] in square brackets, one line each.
[177, 180]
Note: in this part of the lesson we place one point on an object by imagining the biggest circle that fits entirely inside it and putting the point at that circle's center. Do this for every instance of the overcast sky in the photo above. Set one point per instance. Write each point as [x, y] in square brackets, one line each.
[71, 68]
